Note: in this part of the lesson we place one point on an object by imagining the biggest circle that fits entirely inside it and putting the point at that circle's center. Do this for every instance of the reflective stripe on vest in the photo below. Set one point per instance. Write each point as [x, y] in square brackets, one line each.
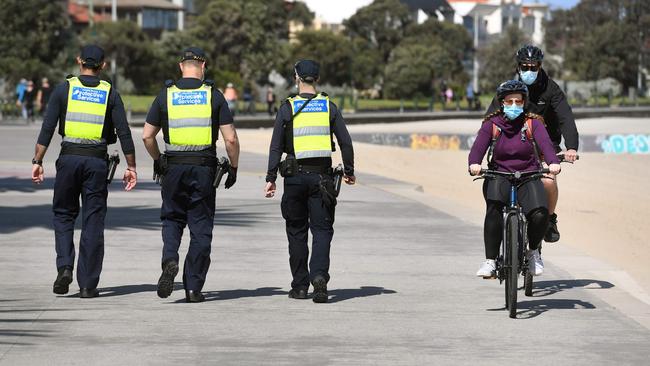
[86, 112]
[190, 118]
[311, 127]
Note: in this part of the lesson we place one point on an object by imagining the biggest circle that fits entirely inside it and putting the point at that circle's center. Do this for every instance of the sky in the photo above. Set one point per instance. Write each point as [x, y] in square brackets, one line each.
[334, 11]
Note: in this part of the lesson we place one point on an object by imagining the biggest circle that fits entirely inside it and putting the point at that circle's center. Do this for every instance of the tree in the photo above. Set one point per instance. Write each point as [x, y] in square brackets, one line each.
[332, 51]
[33, 35]
[602, 38]
[133, 50]
[414, 67]
[382, 25]
[251, 35]
[449, 44]
[497, 60]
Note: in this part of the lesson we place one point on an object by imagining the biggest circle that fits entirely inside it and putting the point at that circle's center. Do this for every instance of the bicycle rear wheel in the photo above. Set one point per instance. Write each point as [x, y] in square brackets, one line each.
[512, 263]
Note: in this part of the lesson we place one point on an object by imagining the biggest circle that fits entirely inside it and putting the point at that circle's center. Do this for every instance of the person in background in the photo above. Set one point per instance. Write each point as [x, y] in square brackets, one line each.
[270, 101]
[231, 97]
[43, 96]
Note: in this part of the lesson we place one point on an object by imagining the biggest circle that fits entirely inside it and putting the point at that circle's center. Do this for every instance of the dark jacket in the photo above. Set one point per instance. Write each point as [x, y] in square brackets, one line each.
[548, 100]
[279, 140]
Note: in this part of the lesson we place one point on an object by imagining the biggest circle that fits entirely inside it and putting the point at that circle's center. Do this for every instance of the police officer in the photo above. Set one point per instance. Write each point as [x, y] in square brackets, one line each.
[303, 130]
[547, 100]
[191, 112]
[88, 111]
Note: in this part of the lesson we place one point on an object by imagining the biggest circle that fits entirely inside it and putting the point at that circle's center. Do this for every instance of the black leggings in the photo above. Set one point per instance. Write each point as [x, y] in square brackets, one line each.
[493, 227]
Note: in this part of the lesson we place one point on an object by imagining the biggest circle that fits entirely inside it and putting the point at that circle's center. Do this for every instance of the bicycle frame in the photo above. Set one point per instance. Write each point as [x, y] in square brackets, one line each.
[513, 208]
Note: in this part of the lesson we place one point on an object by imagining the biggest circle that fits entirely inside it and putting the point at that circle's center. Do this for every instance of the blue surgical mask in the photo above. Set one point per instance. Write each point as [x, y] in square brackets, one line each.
[528, 77]
[513, 111]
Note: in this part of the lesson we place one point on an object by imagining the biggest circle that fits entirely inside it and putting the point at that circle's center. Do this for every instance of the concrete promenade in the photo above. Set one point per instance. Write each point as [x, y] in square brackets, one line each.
[402, 289]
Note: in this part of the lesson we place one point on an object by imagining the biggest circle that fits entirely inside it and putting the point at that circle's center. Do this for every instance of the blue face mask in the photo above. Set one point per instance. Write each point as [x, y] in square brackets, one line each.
[513, 111]
[528, 77]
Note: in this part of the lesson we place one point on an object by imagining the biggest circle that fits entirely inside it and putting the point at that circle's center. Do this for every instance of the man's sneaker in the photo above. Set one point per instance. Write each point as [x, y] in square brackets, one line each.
[488, 269]
[552, 235]
[63, 279]
[535, 263]
[320, 290]
[166, 280]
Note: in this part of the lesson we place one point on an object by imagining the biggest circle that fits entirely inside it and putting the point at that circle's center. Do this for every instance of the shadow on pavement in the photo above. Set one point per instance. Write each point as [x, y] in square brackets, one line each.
[240, 294]
[131, 289]
[338, 295]
[24, 185]
[534, 308]
[546, 288]
[137, 217]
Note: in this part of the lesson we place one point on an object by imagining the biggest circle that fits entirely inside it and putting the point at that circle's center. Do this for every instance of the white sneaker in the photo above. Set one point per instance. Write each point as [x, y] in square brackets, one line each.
[487, 269]
[535, 263]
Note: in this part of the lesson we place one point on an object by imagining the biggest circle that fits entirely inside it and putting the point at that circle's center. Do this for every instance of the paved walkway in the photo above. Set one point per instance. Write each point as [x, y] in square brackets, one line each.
[402, 288]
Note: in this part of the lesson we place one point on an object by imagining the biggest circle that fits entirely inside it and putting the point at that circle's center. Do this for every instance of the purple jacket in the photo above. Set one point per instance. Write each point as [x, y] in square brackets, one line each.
[510, 153]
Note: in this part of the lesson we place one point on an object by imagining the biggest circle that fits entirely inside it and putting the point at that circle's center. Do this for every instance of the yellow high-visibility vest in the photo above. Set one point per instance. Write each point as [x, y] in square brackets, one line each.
[311, 127]
[190, 118]
[86, 111]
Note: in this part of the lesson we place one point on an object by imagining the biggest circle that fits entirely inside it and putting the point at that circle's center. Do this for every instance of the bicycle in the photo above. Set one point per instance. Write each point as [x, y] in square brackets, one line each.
[512, 260]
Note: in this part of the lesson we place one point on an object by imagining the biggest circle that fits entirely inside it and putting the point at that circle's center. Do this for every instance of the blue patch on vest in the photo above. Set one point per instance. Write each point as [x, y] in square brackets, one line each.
[89, 95]
[194, 97]
[319, 105]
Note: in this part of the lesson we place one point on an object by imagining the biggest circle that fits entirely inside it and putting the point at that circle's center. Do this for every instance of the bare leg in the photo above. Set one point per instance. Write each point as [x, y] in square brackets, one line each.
[552, 193]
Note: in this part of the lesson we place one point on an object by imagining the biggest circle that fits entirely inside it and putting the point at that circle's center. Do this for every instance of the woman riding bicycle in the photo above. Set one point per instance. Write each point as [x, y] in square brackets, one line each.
[512, 150]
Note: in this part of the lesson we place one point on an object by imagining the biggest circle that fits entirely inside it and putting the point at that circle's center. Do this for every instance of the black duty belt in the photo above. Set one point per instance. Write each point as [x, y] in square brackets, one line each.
[83, 151]
[192, 160]
[320, 169]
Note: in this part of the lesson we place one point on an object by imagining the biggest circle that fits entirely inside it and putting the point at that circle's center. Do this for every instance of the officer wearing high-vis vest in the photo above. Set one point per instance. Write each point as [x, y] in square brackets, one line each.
[191, 112]
[304, 129]
[89, 112]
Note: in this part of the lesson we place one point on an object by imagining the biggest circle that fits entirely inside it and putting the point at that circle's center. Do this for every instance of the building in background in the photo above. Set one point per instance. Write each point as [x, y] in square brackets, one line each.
[153, 16]
[421, 10]
[494, 16]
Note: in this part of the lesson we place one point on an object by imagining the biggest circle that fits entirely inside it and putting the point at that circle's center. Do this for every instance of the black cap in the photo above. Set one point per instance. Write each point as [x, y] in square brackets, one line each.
[193, 53]
[92, 56]
[307, 69]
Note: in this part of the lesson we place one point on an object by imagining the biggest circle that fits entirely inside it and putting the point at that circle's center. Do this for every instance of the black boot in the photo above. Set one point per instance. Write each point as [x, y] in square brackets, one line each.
[320, 290]
[298, 293]
[166, 280]
[194, 296]
[63, 281]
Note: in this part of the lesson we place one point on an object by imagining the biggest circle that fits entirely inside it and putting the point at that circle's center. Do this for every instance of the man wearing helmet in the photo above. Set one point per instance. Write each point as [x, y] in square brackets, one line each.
[521, 136]
[546, 99]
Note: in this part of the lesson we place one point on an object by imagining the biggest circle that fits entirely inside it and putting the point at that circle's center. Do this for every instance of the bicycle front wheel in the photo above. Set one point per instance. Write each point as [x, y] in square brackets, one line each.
[512, 263]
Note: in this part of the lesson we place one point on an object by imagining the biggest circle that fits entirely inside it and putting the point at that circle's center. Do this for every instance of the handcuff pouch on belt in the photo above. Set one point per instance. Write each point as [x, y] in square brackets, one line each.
[288, 166]
[160, 167]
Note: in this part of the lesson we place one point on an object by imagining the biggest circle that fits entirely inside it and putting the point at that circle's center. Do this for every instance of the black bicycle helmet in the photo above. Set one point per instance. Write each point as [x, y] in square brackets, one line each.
[529, 53]
[511, 87]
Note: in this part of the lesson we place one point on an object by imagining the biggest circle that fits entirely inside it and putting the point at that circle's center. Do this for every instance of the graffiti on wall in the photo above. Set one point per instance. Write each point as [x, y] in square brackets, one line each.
[625, 144]
[435, 142]
[609, 144]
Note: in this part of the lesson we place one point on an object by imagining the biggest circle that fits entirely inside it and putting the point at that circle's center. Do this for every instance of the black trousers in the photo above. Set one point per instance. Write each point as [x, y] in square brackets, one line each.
[303, 209]
[188, 199]
[86, 177]
[532, 199]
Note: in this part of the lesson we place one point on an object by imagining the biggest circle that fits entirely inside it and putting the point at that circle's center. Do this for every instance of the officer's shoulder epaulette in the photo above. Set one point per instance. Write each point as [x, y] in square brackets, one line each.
[290, 96]
[324, 94]
[169, 82]
[489, 116]
[535, 116]
[208, 82]
[69, 76]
